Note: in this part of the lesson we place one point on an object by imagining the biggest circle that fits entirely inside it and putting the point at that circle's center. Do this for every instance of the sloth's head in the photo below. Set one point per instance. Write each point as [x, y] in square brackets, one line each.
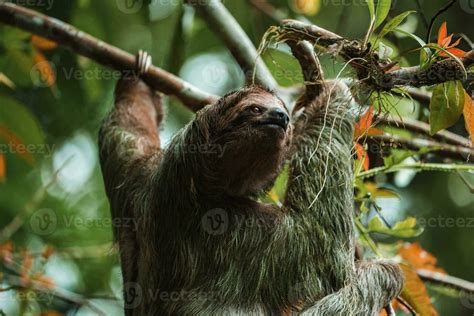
[252, 131]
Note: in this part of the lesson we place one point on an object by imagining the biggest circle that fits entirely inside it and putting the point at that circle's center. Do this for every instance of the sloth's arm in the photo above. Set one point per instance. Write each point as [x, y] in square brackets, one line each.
[130, 153]
[320, 188]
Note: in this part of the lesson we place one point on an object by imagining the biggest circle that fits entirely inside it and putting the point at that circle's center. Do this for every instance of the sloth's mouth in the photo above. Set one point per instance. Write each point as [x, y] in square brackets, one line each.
[274, 124]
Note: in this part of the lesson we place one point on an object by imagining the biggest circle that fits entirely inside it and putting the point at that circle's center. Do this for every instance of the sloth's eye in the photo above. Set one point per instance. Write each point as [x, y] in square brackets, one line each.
[256, 109]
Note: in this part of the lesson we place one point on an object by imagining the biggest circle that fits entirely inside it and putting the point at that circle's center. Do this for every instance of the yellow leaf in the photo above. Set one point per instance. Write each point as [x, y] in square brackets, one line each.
[47, 73]
[272, 194]
[3, 167]
[43, 43]
[375, 191]
[414, 292]
[6, 81]
[307, 7]
[469, 115]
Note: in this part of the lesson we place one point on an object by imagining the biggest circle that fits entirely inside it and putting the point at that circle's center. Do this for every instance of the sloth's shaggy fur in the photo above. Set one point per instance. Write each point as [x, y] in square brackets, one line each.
[260, 259]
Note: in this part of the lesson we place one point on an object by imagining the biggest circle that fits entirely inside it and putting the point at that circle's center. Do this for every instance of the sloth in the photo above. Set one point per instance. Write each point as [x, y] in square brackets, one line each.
[205, 244]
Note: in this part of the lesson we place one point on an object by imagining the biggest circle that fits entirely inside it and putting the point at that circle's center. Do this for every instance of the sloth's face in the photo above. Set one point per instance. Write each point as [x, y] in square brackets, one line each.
[254, 131]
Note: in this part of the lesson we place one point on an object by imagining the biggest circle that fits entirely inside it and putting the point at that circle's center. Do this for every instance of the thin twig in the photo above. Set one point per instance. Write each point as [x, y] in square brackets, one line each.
[18, 221]
[422, 166]
[231, 33]
[62, 294]
[433, 19]
[424, 128]
[446, 280]
[406, 305]
[421, 14]
[457, 152]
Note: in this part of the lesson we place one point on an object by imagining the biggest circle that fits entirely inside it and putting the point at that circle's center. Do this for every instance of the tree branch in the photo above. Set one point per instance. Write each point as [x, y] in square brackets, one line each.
[424, 128]
[444, 150]
[101, 52]
[446, 280]
[219, 19]
[367, 64]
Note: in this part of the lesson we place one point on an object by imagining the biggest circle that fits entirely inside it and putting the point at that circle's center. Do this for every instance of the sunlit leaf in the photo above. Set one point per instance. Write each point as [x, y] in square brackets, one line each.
[383, 7]
[362, 156]
[404, 229]
[394, 23]
[307, 7]
[375, 191]
[446, 105]
[43, 43]
[370, 4]
[272, 194]
[468, 112]
[415, 293]
[6, 81]
[418, 257]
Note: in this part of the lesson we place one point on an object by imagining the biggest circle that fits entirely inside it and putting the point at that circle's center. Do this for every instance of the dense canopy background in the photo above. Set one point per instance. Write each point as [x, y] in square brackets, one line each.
[55, 220]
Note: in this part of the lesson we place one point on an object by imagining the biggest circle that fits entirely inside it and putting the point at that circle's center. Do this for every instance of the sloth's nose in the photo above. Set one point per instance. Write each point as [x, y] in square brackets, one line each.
[279, 117]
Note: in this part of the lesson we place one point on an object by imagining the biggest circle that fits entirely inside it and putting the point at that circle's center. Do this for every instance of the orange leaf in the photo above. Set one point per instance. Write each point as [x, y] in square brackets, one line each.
[26, 267]
[362, 156]
[469, 116]
[47, 252]
[455, 43]
[418, 257]
[442, 33]
[51, 313]
[364, 124]
[414, 292]
[43, 43]
[447, 41]
[43, 280]
[3, 167]
[44, 67]
[457, 52]
[13, 140]
[6, 252]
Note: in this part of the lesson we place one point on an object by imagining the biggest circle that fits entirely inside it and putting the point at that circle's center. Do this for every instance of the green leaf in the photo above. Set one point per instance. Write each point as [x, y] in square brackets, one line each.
[370, 4]
[394, 23]
[446, 105]
[383, 7]
[404, 229]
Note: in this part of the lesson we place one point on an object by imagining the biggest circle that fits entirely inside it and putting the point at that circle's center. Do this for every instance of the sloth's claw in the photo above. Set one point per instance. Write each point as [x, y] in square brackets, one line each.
[143, 63]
